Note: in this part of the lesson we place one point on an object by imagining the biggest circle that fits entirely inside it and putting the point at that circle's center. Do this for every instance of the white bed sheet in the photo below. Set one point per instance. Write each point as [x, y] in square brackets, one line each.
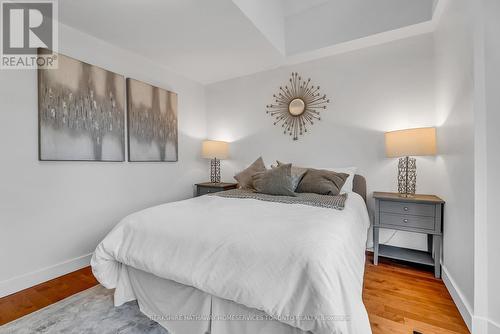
[289, 261]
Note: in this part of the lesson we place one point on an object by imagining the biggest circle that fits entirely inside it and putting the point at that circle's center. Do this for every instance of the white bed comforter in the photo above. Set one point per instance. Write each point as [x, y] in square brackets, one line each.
[288, 260]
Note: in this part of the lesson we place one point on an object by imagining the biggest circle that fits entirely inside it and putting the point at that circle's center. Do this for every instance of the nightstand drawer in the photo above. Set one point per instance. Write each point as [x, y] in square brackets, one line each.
[208, 190]
[416, 209]
[212, 187]
[419, 222]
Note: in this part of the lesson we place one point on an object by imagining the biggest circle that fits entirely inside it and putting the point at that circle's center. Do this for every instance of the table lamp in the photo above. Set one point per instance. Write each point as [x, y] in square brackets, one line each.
[406, 143]
[215, 151]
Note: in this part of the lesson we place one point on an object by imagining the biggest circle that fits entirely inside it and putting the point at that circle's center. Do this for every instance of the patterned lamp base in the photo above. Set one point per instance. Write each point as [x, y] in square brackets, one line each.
[215, 170]
[407, 176]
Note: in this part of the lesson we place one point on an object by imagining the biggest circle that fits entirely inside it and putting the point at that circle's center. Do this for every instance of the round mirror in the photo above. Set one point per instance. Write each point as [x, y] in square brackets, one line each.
[296, 107]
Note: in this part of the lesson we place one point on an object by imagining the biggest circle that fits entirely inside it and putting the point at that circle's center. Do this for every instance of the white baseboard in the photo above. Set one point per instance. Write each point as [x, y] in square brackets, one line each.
[458, 297]
[28, 280]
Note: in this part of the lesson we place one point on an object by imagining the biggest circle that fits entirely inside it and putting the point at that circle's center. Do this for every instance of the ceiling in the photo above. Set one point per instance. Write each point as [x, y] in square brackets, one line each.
[336, 21]
[291, 7]
[213, 40]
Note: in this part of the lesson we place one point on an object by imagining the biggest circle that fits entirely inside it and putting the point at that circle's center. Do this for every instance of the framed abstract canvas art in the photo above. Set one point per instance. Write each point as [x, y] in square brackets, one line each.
[81, 112]
[152, 123]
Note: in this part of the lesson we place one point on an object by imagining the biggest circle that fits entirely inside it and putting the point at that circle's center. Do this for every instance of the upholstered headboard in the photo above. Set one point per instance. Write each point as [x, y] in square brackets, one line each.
[359, 186]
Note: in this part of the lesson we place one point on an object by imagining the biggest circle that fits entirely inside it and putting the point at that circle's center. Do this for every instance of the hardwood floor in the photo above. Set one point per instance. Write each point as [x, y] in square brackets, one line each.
[26, 301]
[399, 299]
[402, 299]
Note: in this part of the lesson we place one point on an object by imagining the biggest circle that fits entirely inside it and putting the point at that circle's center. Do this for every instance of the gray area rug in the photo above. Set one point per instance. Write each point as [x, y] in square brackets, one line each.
[90, 311]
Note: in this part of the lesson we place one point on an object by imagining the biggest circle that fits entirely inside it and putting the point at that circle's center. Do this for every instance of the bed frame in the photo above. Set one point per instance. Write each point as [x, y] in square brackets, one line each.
[359, 185]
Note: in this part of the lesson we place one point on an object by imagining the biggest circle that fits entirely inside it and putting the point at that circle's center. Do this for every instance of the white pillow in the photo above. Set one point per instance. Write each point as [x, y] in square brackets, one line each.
[347, 187]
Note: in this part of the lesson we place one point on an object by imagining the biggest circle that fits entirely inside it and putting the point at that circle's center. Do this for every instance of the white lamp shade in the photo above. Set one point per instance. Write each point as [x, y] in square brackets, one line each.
[410, 142]
[215, 149]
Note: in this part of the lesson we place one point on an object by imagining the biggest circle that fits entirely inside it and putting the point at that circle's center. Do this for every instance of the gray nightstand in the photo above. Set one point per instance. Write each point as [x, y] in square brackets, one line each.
[421, 214]
[209, 187]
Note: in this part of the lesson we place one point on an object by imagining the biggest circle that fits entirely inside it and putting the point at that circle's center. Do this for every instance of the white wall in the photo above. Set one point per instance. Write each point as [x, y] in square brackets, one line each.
[56, 212]
[373, 90]
[454, 107]
[492, 112]
[487, 165]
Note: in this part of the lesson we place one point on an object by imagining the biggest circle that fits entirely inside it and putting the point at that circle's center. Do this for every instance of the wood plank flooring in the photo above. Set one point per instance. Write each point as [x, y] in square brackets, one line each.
[399, 299]
[26, 301]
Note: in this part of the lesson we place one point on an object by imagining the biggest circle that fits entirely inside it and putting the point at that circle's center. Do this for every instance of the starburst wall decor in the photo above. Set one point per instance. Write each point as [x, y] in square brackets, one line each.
[297, 106]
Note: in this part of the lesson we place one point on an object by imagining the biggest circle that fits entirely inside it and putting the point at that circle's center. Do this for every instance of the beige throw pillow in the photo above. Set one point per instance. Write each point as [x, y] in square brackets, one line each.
[297, 173]
[323, 182]
[244, 177]
[276, 181]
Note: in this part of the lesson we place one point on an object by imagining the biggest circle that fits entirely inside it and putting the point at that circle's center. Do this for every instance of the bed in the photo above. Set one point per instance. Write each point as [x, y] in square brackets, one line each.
[223, 265]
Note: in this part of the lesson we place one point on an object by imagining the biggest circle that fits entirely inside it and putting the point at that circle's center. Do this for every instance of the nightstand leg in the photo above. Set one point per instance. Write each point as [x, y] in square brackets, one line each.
[429, 245]
[375, 245]
[437, 255]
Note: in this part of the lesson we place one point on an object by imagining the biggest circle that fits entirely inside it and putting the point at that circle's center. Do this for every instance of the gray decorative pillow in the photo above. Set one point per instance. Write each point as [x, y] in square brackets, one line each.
[276, 181]
[297, 174]
[323, 182]
[244, 177]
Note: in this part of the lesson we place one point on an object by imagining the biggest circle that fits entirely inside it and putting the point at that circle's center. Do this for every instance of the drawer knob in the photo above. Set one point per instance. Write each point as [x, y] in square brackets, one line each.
[405, 208]
[405, 220]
